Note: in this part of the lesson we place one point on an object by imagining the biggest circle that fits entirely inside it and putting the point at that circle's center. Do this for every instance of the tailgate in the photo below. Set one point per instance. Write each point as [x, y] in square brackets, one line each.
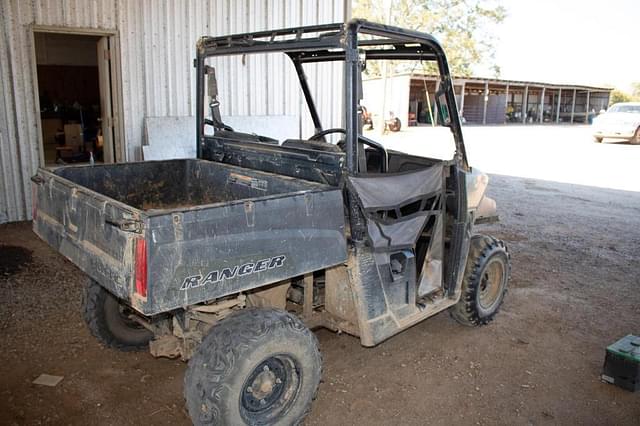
[94, 232]
[203, 254]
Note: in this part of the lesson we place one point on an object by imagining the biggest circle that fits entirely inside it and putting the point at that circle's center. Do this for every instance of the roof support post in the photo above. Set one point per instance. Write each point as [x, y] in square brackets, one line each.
[461, 112]
[351, 70]
[200, 63]
[485, 101]
[351, 99]
[308, 97]
[506, 103]
[435, 103]
[541, 112]
[586, 109]
[428, 99]
[558, 106]
[573, 105]
[525, 104]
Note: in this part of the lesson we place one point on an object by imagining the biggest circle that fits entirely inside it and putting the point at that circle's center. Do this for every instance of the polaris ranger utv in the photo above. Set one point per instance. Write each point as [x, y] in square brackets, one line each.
[228, 260]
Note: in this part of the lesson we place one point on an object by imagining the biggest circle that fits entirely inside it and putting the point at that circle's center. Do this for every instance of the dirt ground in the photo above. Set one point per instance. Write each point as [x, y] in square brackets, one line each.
[574, 290]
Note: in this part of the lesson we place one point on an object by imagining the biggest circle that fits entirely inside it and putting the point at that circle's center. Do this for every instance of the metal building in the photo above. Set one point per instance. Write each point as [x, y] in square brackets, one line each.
[138, 55]
[488, 101]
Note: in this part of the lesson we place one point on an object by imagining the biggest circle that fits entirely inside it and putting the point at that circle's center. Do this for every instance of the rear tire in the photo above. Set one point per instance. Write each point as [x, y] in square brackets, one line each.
[635, 140]
[485, 281]
[108, 320]
[258, 366]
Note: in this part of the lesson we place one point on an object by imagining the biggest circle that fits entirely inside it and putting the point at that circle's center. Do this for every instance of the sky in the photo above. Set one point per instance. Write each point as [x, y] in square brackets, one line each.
[570, 41]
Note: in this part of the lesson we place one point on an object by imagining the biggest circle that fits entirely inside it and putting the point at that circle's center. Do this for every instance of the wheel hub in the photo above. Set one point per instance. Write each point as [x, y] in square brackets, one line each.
[491, 284]
[269, 387]
[264, 384]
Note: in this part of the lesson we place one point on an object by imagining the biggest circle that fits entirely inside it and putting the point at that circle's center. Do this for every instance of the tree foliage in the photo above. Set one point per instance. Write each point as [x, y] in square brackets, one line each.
[462, 26]
[618, 95]
[635, 91]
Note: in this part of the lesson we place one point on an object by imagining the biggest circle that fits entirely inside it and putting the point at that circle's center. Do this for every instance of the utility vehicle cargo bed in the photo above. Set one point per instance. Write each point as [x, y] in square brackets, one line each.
[166, 234]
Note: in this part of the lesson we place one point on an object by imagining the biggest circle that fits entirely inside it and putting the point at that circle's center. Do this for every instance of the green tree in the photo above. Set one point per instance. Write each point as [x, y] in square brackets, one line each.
[618, 96]
[462, 26]
[635, 91]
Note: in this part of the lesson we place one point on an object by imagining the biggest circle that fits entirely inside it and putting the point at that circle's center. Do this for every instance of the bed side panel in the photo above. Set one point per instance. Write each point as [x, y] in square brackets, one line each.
[74, 222]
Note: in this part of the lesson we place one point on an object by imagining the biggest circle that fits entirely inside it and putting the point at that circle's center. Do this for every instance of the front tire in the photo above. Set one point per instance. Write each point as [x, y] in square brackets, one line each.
[258, 366]
[485, 281]
[597, 139]
[108, 320]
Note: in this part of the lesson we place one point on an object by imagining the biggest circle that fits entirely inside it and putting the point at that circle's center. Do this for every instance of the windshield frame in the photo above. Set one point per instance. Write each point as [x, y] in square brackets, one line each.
[625, 108]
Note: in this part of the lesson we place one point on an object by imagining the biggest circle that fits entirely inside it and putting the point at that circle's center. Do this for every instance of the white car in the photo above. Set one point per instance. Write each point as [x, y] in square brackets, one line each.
[621, 121]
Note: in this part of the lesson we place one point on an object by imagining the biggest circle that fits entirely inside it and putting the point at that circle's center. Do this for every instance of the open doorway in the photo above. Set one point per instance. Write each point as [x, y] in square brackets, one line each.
[75, 97]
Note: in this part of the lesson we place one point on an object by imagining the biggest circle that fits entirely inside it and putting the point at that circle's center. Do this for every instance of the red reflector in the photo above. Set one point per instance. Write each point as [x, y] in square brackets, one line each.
[141, 267]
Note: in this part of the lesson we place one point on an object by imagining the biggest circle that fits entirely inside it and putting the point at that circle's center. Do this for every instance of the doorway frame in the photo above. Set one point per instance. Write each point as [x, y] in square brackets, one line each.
[120, 152]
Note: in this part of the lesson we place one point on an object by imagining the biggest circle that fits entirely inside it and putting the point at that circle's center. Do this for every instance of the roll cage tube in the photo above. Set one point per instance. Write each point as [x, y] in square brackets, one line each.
[407, 45]
[378, 147]
[336, 42]
[308, 97]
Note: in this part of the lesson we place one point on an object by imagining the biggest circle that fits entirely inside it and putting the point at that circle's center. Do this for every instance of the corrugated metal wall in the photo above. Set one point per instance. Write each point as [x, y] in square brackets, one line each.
[157, 45]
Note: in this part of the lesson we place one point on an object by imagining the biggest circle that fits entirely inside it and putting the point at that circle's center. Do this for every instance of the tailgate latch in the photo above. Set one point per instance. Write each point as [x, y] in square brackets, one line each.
[126, 225]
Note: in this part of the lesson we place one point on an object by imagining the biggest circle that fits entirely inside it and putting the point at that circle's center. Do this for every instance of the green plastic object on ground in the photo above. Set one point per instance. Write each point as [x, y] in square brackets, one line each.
[622, 363]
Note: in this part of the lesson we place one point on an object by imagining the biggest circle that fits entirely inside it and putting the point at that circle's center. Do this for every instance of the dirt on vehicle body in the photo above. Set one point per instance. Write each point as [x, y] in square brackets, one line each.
[229, 258]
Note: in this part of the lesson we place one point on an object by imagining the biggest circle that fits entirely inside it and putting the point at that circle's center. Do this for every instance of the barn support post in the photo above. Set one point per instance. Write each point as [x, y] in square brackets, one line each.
[462, 99]
[525, 104]
[435, 96]
[485, 101]
[506, 102]
[541, 112]
[573, 105]
[586, 108]
[558, 106]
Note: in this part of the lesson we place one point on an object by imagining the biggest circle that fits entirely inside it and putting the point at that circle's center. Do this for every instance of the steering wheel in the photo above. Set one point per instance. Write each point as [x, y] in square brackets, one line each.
[324, 133]
[366, 141]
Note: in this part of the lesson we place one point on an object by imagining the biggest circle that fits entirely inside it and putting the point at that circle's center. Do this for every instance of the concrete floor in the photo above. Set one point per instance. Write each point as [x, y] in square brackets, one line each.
[559, 153]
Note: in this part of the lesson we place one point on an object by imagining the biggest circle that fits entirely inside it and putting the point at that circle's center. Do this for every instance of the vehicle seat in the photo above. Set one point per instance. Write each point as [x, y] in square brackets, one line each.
[362, 158]
[362, 155]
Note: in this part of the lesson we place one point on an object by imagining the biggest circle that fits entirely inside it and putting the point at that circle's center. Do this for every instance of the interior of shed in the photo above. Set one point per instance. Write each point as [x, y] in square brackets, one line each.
[70, 97]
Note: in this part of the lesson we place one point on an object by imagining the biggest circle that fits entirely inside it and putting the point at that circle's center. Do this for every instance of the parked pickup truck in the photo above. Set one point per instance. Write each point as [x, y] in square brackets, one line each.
[229, 259]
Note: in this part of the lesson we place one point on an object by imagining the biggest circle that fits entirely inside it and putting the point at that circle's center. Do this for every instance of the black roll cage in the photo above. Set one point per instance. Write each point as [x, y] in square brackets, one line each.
[336, 42]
